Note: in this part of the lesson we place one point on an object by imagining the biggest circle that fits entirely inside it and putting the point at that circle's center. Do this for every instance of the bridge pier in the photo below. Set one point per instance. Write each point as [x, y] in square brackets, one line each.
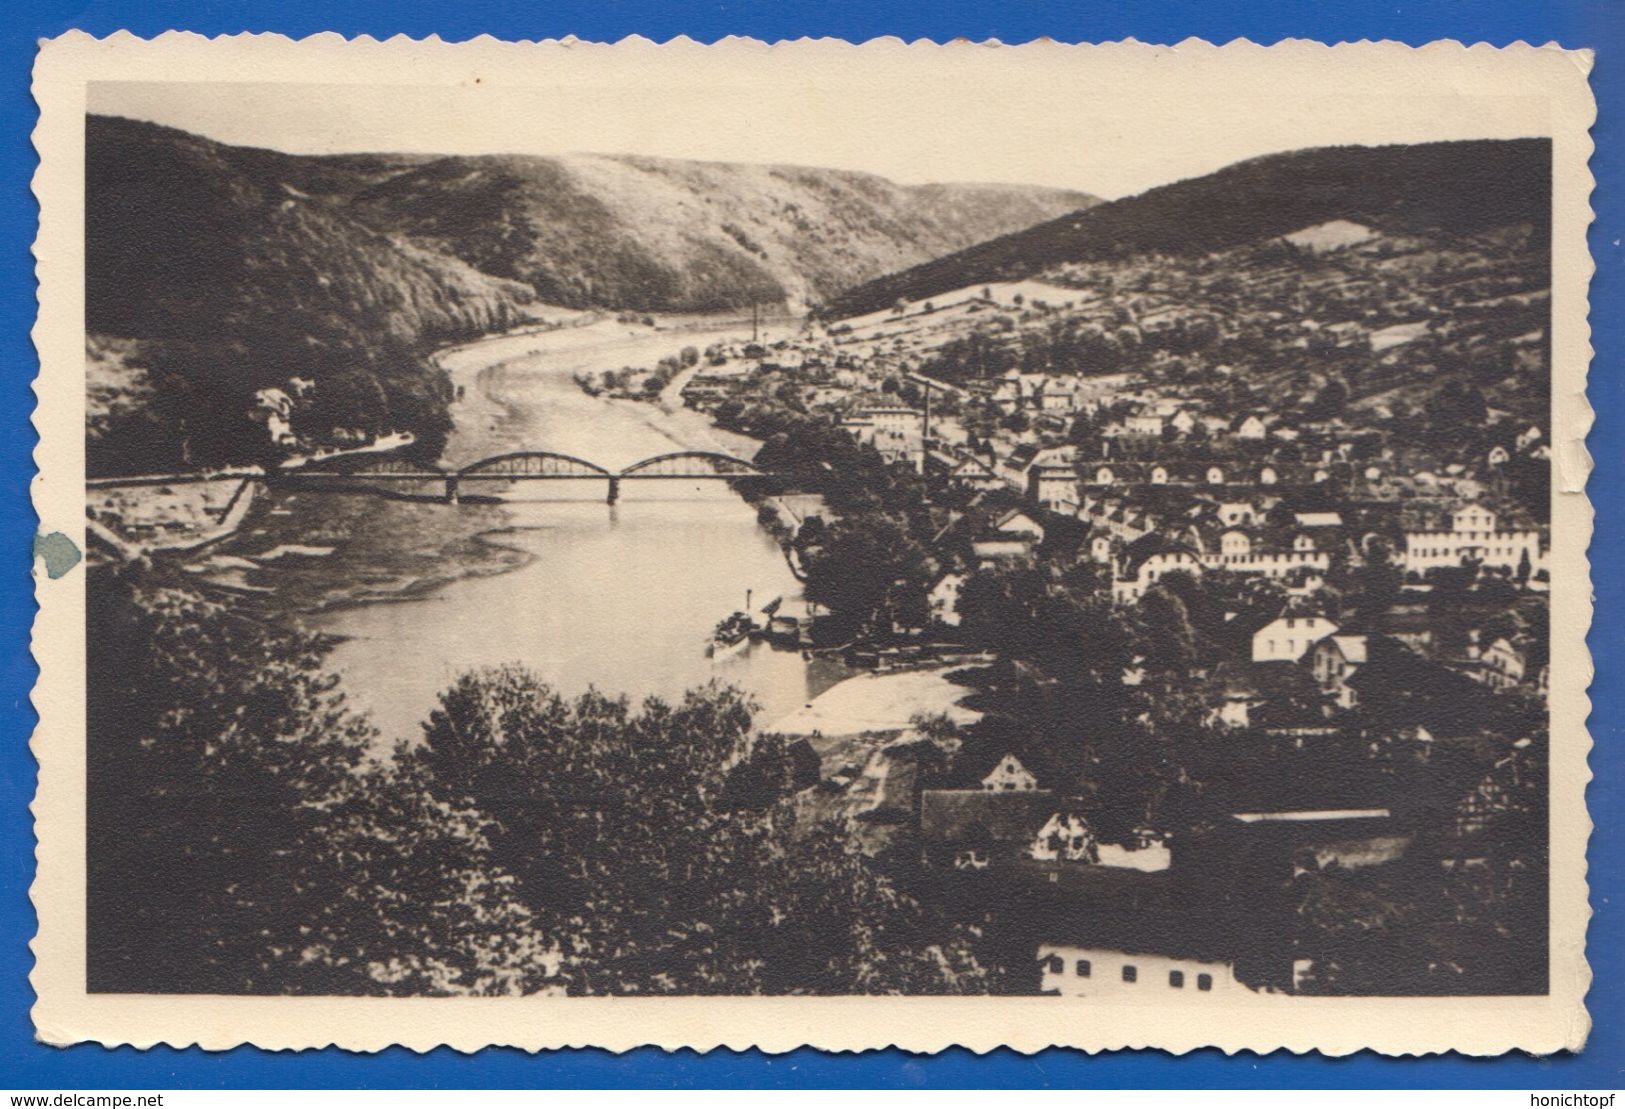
[614, 489]
[451, 488]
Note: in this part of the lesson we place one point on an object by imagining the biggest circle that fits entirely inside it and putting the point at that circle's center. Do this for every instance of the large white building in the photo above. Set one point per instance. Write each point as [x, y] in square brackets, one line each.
[1474, 535]
[898, 433]
[1135, 578]
[1074, 971]
[1239, 554]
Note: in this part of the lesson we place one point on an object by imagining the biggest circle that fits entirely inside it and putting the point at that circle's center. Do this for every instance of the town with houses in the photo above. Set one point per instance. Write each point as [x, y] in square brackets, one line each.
[1148, 604]
[1261, 625]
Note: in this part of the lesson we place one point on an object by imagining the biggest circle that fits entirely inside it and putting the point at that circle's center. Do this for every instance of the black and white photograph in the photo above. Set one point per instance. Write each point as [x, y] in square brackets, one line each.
[1047, 538]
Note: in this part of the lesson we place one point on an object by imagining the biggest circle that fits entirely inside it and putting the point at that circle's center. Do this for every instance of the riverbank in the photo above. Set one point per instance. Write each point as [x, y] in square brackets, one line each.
[177, 518]
[306, 554]
[877, 703]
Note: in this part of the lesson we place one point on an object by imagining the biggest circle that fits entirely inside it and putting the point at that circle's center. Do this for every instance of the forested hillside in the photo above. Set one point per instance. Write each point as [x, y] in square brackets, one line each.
[1452, 187]
[215, 271]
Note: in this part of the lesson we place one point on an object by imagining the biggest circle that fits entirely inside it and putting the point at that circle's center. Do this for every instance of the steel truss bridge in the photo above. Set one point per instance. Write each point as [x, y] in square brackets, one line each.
[516, 466]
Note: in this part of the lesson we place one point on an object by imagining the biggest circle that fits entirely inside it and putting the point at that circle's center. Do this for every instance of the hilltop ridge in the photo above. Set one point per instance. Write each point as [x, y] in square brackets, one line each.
[215, 271]
[1451, 187]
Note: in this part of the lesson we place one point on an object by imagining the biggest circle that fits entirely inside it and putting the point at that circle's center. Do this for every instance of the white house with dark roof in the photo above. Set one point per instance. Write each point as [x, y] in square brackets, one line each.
[1289, 638]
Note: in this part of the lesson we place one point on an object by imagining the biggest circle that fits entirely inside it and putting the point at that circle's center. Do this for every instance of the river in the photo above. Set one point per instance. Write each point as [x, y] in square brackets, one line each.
[621, 597]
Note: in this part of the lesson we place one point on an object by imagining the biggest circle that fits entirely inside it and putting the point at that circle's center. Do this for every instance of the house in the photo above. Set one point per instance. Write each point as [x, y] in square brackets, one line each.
[1020, 524]
[898, 433]
[1008, 391]
[1147, 853]
[274, 408]
[1508, 663]
[1351, 837]
[1333, 660]
[1058, 395]
[1304, 583]
[990, 550]
[1400, 692]
[1235, 545]
[943, 599]
[1016, 464]
[1124, 936]
[1289, 638]
[1244, 550]
[1133, 970]
[975, 474]
[1182, 421]
[1148, 424]
[1235, 708]
[969, 829]
[1065, 837]
[1056, 488]
[1146, 561]
[1250, 427]
[1410, 625]
[1008, 774]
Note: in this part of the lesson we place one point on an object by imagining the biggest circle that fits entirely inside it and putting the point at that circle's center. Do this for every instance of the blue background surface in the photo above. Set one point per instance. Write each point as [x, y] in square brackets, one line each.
[1599, 24]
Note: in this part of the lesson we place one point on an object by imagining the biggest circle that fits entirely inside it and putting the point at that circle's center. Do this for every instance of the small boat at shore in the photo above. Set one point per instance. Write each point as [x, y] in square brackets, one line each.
[731, 635]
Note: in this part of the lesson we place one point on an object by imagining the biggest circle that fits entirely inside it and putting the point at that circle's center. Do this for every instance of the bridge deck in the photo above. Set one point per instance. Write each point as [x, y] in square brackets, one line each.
[510, 467]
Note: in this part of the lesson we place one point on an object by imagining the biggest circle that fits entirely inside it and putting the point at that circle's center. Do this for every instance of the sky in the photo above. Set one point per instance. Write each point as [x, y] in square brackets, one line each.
[1070, 127]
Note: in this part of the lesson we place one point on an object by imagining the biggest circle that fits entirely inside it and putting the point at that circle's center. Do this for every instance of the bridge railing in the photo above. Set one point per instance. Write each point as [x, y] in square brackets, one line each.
[697, 464]
[535, 465]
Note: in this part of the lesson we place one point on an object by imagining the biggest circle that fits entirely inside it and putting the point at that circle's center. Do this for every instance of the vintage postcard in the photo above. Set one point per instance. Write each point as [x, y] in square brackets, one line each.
[812, 544]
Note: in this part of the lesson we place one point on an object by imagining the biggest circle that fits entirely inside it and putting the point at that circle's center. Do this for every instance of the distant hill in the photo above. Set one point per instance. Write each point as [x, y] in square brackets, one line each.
[1457, 187]
[652, 234]
[215, 270]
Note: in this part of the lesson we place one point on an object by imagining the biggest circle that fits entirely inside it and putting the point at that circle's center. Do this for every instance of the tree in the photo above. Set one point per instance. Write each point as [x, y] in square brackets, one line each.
[1458, 408]
[1329, 401]
[671, 870]
[867, 565]
[217, 747]
[1164, 633]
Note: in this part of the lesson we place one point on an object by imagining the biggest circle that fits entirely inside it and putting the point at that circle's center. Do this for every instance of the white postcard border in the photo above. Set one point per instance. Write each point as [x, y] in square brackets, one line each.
[65, 1013]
